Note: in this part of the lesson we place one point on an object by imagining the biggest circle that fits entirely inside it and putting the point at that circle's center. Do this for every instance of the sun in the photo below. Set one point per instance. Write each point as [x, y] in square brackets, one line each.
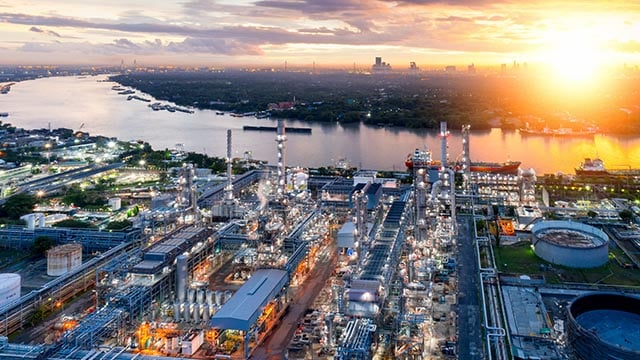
[574, 58]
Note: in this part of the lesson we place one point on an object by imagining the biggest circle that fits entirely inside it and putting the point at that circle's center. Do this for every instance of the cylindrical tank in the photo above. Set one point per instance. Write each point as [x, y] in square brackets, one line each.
[218, 298]
[30, 220]
[63, 259]
[191, 295]
[42, 220]
[201, 296]
[196, 312]
[181, 277]
[186, 307]
[9, 288]
[209, 297]
[115, 203]
[205, 313]
[176, 312]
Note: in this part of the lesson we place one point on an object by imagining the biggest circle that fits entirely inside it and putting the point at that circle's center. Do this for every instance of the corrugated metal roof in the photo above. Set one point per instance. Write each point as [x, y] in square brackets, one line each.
[245, 306]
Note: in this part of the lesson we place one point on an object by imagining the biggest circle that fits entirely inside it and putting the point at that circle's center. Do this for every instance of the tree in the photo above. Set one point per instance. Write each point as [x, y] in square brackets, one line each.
[18, 205]
[626, 215]
[41, 244]
[72, 223]
[119, 225]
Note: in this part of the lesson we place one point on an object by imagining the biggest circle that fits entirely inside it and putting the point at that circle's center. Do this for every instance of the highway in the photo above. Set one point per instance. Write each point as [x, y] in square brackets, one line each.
[57, 181]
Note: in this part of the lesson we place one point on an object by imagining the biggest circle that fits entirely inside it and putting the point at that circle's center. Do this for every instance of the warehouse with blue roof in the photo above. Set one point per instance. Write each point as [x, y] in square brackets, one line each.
[253, 309]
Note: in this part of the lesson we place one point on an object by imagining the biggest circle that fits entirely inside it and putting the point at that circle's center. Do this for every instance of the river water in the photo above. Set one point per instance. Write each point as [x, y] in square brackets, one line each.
[83, 102]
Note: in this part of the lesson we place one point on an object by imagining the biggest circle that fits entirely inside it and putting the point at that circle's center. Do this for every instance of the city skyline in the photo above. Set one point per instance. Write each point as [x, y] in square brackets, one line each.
[575, 37]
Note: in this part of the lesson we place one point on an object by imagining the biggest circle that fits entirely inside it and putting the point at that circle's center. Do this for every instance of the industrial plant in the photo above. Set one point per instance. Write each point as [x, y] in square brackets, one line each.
[280, 263]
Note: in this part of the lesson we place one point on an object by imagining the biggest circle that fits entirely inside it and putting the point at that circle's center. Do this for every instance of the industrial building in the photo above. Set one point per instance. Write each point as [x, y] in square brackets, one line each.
[571, 244]
[254, 309]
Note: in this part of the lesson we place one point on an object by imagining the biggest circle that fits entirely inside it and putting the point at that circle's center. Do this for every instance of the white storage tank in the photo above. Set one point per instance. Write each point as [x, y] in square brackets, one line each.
[115, 203]
[63, 259]
[30, 219]
[9, 288]
[571, 244]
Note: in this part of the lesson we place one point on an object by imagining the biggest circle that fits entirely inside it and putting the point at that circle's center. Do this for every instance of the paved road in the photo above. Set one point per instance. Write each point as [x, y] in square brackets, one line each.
[274, 347]
[469, 316]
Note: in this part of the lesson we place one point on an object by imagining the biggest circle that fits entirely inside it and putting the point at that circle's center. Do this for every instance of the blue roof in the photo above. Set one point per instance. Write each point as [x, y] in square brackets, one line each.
[246, 305]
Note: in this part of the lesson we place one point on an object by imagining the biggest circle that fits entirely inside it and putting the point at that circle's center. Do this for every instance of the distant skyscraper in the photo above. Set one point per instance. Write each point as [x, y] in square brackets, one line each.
[380, 66]
[450, 68]
[413, 67]
[503, 69]
[471, 69]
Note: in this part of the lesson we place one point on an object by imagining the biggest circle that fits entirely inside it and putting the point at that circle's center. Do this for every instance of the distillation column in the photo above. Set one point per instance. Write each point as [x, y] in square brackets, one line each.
[281, 138]
[466, 158]
[228, 205]
[444, 134]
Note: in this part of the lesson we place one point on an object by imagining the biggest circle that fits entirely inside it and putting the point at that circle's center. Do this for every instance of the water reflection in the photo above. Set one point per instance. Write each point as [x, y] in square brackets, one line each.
[70, 102]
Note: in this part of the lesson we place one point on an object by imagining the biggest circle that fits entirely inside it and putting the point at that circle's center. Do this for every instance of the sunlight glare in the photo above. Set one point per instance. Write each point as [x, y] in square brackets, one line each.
[574, 59]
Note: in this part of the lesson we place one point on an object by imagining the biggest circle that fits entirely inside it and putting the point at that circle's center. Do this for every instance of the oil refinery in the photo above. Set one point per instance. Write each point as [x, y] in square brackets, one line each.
[277, 263]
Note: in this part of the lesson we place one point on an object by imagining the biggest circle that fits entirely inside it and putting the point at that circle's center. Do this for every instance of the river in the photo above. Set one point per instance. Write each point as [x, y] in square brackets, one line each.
[83, 102]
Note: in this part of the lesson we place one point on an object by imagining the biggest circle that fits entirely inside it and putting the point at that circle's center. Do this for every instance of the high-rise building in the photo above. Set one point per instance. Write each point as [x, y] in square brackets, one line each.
[380, 66]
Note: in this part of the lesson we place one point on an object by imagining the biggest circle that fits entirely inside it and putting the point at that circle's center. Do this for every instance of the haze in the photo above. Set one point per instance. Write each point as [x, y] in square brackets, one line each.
[575, 35]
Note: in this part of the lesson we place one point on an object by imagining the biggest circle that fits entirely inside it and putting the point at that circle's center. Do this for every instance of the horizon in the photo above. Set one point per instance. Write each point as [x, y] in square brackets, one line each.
[333, 34]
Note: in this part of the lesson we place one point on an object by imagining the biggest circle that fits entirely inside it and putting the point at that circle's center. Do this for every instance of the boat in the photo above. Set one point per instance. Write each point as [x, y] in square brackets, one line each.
[561, 132]
[595, 167]
[302, 130]
[422, 158]
[592, 167]
[4, 114]
[219, 113]
[507, 167]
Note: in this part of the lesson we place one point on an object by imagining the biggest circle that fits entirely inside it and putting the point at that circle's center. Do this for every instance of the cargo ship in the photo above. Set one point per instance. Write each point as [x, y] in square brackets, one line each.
[591, 167]
[507, 167]
[595, 167]
[560, 132]
[423, 158]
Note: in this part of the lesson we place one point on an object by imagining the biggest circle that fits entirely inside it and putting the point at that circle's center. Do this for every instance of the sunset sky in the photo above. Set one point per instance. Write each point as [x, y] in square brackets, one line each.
[329, 32]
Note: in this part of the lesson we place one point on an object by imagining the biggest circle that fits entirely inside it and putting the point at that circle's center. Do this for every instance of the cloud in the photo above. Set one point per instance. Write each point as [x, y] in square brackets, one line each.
[125, 46]
[47, 32]
[320, 6]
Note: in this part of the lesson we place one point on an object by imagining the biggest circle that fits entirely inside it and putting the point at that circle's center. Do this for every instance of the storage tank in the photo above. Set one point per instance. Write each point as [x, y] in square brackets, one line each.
[604, 326]
[570, 243]
[181, 277]
[30, 219]
[9, 288]
[115, 203]
[63, 259]
[176, 312]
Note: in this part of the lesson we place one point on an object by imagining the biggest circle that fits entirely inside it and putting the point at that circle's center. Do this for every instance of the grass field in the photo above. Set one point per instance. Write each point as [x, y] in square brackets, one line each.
[520, 259]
